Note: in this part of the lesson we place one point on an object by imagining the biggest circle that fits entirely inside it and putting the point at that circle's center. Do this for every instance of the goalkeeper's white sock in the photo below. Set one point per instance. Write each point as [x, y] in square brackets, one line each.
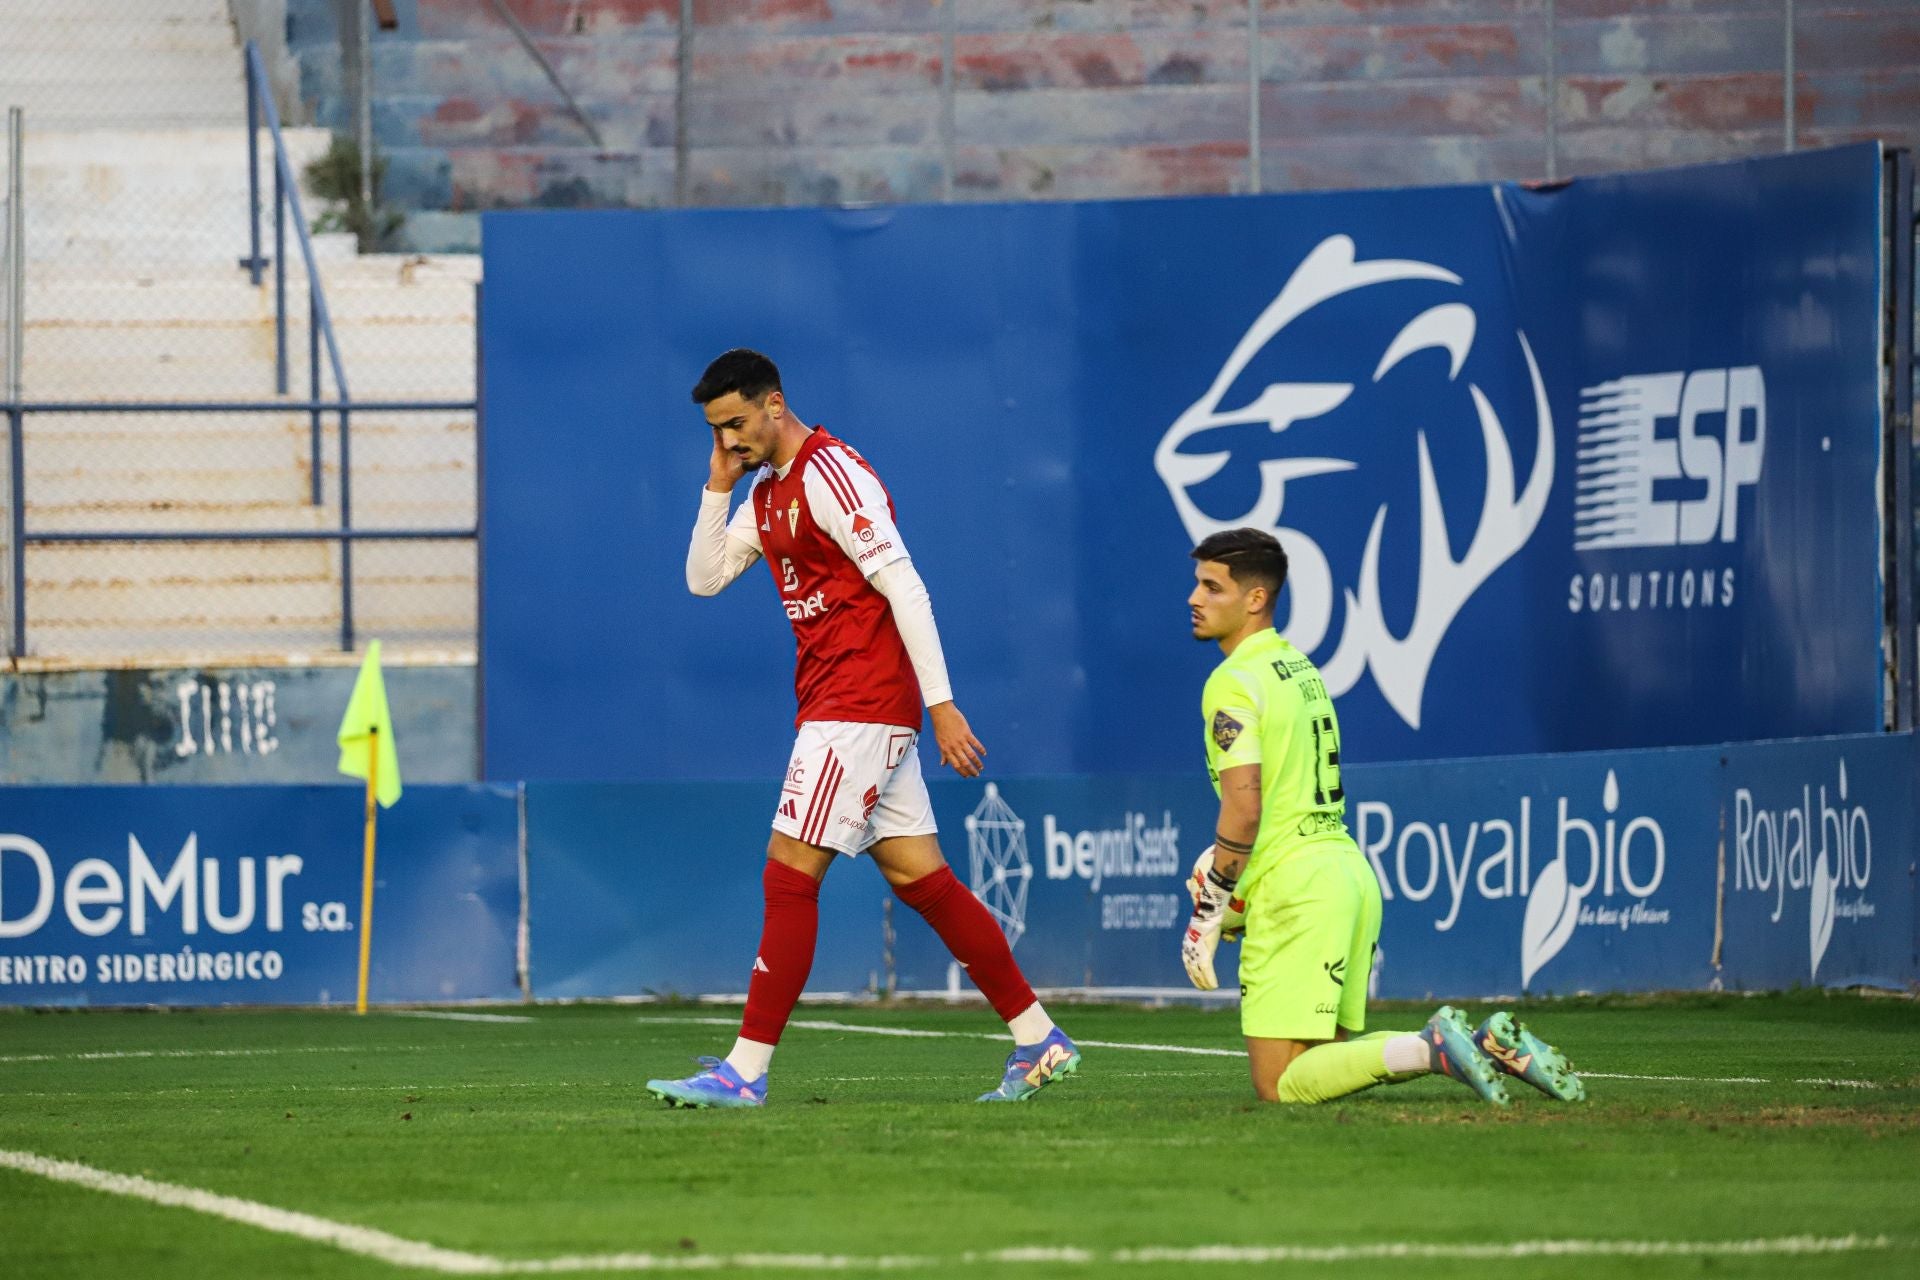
[1407, 1054]
[1031, 1025]
[750, 1058]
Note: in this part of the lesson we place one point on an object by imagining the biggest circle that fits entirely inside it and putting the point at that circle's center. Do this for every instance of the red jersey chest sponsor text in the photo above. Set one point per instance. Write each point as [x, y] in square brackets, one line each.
[850, 662]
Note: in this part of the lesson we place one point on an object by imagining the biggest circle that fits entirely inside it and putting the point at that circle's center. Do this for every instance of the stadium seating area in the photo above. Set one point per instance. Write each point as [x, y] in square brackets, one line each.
[812, 101]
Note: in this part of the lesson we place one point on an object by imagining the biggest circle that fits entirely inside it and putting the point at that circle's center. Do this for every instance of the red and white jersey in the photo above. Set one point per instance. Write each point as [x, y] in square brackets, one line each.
[824, 528]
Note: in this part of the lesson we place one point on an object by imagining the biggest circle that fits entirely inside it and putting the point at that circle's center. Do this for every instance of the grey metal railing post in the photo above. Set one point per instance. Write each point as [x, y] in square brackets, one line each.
[1901, 227]
[346, 522]
[1253, 96]
[280, 283]
[253, 263]
[17, 511]
[682, 94]
[1553, 91]
[16, 356]
[313, 391]
[1790, 126]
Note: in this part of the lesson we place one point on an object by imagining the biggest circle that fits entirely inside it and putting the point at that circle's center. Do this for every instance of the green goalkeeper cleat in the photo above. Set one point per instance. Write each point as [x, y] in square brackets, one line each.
[1453, 1051]
[1518, 1052]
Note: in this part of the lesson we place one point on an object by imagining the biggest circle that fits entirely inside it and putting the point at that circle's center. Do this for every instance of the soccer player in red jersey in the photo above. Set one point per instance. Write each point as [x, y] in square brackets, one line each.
[868, 656]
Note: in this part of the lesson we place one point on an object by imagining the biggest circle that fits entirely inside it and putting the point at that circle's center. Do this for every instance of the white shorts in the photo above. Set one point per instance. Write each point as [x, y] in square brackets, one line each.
[849, 785]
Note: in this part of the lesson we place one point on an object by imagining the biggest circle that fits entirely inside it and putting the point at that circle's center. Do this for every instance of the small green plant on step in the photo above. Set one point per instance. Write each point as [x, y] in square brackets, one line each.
[335, 178]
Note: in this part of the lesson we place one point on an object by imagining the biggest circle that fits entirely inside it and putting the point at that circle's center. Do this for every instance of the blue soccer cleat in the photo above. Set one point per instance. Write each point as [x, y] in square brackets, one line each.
[1031, 1068]
[719, 1085]
[1521, 1054]
[1453, 1051]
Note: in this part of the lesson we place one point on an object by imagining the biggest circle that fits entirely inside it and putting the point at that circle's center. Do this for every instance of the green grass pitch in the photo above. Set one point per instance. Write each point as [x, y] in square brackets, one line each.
[520, 1142]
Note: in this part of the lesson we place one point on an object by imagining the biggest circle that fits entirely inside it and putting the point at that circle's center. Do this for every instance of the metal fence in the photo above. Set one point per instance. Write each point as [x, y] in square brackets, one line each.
[227, 436]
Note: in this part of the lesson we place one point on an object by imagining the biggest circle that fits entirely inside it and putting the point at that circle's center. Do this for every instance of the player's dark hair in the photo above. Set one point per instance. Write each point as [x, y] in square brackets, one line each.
[741, 369]
[1254, 557]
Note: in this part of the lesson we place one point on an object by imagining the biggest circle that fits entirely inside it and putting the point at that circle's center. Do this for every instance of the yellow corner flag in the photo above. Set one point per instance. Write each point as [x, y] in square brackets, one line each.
[366, 716]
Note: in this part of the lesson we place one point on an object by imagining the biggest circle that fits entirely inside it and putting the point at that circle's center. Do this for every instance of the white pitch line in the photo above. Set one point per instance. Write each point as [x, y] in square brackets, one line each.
[104, 1056]
[368, 1243]
[821, 1025]
[1615, 1075]
[458, 1017]
[814, 1024]
[363, 1241]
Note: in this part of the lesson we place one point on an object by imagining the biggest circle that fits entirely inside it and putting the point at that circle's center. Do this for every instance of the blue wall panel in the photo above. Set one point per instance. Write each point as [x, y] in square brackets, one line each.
[1566, 470]
[1598, 871]
[655, 890]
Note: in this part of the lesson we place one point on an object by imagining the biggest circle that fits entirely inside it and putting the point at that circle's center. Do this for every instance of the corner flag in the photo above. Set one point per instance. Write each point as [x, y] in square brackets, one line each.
[366, 716]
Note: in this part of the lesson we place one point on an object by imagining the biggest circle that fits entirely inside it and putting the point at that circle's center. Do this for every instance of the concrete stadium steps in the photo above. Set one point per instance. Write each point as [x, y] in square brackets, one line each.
[244, 471]
[137, 214]
[405, 327]
[152, 598]
[151, 196]
[81, 63]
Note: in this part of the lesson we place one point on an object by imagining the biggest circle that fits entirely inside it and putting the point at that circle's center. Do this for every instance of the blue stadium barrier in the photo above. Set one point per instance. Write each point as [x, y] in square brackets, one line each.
[1648, 404]
[1682, 868]
[1745, 867]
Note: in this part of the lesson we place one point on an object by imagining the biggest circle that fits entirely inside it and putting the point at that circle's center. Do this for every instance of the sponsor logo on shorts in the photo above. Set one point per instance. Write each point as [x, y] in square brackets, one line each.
[1337, 970]
[867, 802]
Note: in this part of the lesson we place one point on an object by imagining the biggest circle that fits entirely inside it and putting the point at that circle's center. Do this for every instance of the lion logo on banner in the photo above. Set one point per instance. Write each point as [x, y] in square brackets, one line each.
[1399, 662]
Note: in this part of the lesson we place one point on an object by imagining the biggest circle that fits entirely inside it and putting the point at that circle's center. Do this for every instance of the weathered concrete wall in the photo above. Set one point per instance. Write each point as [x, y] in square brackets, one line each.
[224, 724]
[822, 101]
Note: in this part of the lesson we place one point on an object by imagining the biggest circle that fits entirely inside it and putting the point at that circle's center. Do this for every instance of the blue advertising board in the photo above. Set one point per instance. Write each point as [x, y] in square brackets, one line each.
[251, 895]
[1755, 866]
[1560, 470]
[1547, 874]
[654, 890]
[1820, 863]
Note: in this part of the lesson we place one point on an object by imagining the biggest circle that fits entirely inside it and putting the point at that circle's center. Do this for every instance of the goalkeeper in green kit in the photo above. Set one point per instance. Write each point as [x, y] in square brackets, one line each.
[1282, 854]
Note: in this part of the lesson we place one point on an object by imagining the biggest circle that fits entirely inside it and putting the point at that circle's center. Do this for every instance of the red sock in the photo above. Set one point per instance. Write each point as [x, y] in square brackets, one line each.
[787, 934]
[975, 939]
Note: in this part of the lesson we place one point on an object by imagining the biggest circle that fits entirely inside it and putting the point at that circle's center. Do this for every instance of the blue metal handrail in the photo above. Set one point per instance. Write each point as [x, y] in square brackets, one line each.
[286, 199]
[286, 195]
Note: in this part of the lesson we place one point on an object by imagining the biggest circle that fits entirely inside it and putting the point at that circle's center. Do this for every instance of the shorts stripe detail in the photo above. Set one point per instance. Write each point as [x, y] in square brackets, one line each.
[837, 481]
[822, 807]
[826, 807]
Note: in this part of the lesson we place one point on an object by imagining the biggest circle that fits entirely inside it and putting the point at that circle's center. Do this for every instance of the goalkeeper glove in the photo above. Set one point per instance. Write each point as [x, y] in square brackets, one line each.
[1211, 896]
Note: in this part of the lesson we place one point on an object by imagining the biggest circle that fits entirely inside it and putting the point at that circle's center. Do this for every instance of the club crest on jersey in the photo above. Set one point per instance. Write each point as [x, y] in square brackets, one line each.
[863, 528]
[793, 518]
[1226, 730]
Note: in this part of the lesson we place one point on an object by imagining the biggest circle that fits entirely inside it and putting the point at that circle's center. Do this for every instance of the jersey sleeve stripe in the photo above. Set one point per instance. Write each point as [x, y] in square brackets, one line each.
[838, 482]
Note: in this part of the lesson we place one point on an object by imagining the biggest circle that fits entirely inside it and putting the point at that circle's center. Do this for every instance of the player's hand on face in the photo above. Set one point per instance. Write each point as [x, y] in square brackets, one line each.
[724, 468]
[959, 749]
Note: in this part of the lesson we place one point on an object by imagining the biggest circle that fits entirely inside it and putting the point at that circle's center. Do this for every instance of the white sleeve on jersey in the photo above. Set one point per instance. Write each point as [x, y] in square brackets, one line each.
[847, 501]
[912, 609]
[721, 550]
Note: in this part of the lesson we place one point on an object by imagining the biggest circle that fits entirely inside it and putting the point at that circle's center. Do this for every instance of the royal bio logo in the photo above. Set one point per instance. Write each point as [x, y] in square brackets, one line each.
[1663, 459]
[1187, 458]
[1819, 842]
[1605, 869]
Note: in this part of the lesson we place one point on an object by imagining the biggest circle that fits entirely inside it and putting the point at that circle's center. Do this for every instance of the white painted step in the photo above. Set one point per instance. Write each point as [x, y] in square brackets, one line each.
[133, 63]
